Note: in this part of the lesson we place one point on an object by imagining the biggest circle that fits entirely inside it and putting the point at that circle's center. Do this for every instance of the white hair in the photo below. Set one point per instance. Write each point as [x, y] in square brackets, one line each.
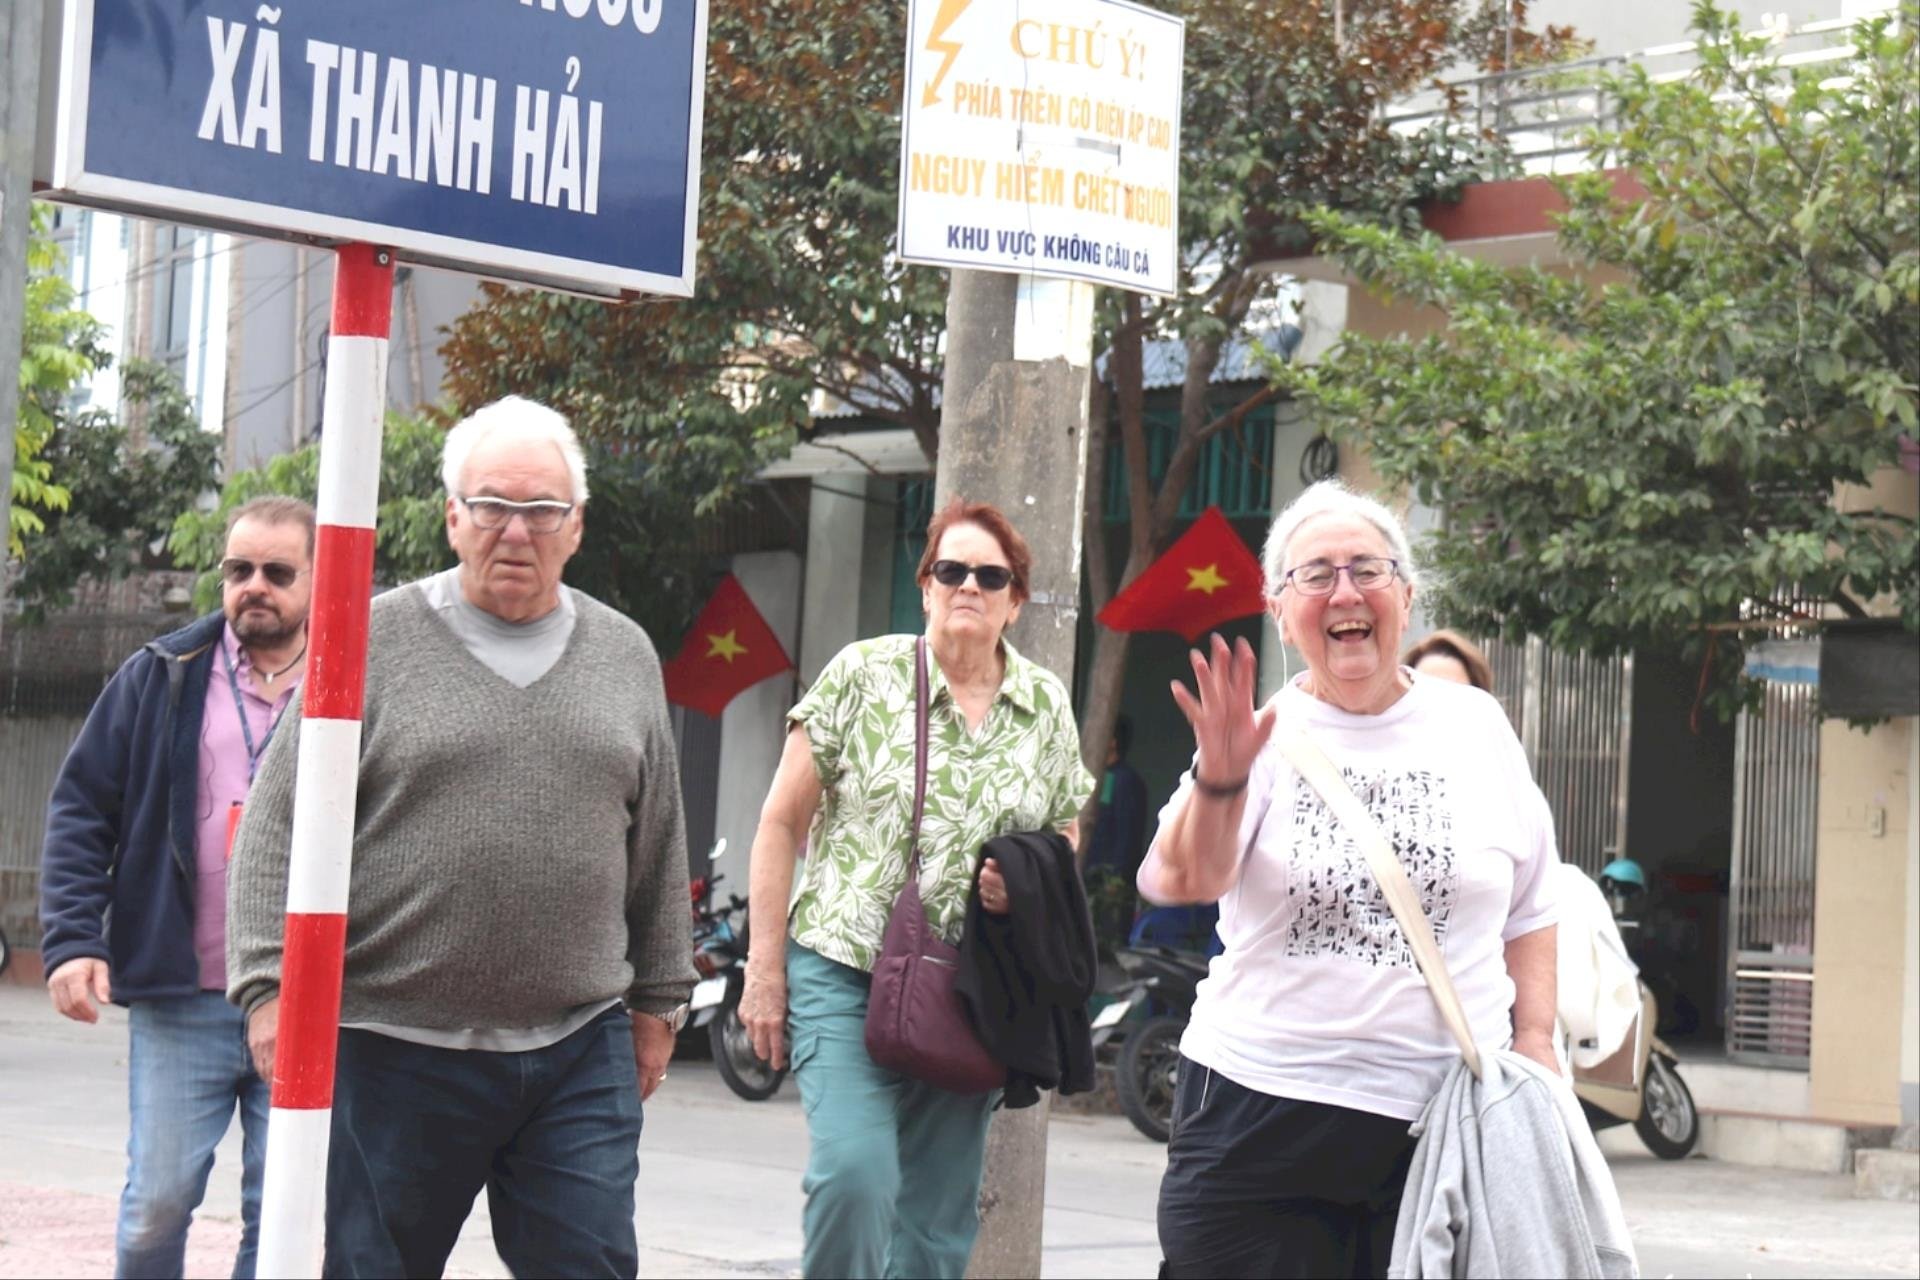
[1331, 497]
[520, 419]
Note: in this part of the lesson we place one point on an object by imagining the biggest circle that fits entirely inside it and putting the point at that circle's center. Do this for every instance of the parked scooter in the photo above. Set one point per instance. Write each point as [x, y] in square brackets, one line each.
[1145, 1022]
[1639, 1082]
[720, 957]
[1641, 1086]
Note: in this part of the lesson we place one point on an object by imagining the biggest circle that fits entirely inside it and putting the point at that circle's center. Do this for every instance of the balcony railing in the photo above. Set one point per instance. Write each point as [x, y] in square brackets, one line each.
[1547, 115]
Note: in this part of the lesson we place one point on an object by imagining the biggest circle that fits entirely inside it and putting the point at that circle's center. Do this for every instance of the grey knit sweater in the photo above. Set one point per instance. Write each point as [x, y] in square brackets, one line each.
[517, 853]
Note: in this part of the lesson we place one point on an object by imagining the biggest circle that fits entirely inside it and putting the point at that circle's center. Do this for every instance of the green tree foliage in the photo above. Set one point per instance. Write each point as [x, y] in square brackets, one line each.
[683, 402]
[124, 495]
[635, 562]
[796, 287]
[1279, 116]
[1652, 446]
[411, 539]
[60, 345]
[799, 292]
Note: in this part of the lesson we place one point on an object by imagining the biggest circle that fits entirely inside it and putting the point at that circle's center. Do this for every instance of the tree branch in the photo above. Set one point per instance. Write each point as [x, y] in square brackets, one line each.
[1808, 177]
[1234, 418]
[1847, 604]
[1129, 378]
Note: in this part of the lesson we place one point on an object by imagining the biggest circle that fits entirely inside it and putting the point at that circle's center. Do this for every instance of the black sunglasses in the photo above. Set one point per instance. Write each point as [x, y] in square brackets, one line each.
[239, 571]
[991, 577]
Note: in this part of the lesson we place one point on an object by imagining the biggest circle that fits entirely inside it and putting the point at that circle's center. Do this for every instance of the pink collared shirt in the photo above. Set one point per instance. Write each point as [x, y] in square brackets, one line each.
[224, 780]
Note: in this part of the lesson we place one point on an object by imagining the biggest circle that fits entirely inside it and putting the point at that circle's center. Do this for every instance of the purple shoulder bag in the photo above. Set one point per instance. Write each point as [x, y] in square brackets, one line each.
[915, 1022]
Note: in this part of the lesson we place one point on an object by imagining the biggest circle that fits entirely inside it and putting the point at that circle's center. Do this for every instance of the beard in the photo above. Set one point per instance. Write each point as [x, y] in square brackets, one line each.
[267, 631]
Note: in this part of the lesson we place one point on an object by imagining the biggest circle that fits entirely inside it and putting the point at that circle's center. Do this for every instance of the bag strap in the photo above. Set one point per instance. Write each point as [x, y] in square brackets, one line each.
[920, 713]
[1311, 763]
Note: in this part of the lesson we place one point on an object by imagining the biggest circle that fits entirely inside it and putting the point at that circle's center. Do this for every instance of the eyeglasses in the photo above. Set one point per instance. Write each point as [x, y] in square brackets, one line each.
[1316, 577]
[991, 577]
[238, 571]
[544, 516]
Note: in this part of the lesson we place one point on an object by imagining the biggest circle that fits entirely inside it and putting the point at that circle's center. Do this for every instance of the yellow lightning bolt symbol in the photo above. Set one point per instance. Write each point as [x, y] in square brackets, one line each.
[937, 42]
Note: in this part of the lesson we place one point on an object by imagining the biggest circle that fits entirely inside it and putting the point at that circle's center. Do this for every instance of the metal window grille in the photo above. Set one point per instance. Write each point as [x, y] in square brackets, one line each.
[1235, 472]
[1574, 716]
[1775, 819]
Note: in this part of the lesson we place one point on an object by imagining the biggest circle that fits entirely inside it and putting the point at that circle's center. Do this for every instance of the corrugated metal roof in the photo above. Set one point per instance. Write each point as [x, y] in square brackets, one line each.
[1163, 362]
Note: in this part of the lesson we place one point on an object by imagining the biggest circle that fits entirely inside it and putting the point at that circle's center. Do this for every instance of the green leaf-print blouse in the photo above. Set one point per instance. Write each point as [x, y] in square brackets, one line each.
[1020, 772]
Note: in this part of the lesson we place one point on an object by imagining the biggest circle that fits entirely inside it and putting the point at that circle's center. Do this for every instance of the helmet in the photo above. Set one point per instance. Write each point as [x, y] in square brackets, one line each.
[1624, 871]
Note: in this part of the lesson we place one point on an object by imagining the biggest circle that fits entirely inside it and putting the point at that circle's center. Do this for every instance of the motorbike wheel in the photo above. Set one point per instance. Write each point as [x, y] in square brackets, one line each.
[1669, 1123]
[1145, 1076]
[6, 952]
[746, 1074]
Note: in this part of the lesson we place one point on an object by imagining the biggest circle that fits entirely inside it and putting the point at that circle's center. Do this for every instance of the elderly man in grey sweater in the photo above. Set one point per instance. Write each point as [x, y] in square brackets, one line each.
[518, 952]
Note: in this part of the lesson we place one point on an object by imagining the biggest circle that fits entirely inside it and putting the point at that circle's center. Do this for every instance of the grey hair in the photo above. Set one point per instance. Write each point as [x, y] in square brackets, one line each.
[522, 419]
[1332, 497]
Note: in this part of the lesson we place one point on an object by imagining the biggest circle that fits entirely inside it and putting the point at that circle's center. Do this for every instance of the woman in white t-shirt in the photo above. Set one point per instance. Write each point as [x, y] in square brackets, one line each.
[1314, 1041]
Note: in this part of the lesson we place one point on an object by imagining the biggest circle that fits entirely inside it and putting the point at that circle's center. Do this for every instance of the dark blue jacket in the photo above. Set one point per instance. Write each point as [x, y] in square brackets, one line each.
[117, 873]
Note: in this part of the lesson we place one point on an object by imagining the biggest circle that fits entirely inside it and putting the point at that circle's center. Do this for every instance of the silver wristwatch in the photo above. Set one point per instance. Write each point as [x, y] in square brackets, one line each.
[675, 1018]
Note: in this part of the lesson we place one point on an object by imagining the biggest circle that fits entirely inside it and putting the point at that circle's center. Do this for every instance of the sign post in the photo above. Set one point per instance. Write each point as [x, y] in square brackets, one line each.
[294, 1200]
[1039, 157]
[554, 144]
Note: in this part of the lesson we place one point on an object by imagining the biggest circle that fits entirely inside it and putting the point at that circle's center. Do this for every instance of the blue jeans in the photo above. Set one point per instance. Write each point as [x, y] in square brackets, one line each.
[893, 1165]
[552, 1134]
[187, 1066]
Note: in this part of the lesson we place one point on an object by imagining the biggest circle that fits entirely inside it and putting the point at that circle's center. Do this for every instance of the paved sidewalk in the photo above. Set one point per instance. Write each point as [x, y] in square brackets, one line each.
[719, 1191]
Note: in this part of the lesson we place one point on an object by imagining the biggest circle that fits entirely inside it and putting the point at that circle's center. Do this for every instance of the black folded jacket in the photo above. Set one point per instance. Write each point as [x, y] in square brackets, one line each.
[1026, 976]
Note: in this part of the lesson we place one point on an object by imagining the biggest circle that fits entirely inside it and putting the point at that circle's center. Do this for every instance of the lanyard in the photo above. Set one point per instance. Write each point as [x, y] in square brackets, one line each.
[240, 710]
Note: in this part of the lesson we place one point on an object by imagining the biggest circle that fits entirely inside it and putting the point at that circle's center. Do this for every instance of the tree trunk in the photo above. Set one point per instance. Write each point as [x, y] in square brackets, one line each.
[1107, 677]
[1151, 512]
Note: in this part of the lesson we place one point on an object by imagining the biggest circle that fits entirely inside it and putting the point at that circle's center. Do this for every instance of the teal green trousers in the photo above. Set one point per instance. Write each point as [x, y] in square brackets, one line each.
[893, 1165]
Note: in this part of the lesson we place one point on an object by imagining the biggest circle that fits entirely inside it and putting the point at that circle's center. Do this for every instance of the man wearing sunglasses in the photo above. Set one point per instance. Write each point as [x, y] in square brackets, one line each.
[518, 944]
[133, 876]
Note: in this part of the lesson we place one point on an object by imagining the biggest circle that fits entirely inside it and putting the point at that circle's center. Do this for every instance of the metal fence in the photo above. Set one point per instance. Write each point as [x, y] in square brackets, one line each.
[1776, 793]
[1574, 715]
[49, 678]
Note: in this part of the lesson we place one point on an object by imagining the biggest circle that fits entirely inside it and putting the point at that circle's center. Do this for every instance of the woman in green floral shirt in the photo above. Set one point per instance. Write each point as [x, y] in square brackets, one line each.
[893, 1171]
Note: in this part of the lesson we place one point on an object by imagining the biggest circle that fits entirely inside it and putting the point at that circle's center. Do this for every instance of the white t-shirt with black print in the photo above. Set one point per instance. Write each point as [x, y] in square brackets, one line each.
[1318, 996]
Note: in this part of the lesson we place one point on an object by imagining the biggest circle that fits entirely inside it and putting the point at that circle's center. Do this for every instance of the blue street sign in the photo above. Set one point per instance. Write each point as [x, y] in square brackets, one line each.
[552, 141]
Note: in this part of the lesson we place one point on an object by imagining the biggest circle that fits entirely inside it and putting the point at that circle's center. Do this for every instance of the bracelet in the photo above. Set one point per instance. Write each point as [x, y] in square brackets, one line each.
[1219, 790]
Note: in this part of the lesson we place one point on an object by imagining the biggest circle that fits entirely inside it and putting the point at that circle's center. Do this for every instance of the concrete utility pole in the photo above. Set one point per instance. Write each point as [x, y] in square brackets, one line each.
[1013, 432]
[19, 100]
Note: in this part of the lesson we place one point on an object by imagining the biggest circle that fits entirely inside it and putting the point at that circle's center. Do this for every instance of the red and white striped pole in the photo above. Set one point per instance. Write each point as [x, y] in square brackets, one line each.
[293, 1209]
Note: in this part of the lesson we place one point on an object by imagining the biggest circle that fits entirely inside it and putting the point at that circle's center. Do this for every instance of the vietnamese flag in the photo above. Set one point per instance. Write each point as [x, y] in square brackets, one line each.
[1205, 578]
[729, 647]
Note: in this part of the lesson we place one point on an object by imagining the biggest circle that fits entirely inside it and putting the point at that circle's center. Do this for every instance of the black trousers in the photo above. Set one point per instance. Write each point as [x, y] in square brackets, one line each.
[1260, 1186]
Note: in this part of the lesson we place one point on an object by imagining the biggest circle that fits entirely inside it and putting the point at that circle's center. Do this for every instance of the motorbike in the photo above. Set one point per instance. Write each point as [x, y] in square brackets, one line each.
[720, 958]
[6, 952]
[1640, 1085]
[1137, 1035]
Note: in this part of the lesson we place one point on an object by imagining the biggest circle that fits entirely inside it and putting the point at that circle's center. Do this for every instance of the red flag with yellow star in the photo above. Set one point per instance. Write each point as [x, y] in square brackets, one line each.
[1205, 578]
[729, 648]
